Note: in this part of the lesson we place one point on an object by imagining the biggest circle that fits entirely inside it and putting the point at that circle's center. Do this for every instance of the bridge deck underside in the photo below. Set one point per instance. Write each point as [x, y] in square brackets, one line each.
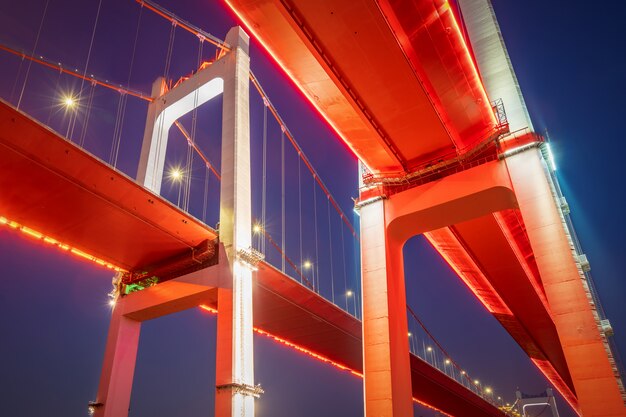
[394, 79]
[285, 308]
[52, 186]
[493, 257]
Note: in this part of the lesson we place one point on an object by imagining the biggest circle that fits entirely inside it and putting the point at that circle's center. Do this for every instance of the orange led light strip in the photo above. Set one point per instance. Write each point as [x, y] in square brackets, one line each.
[495, 306]
[317, 356]
[46, 239]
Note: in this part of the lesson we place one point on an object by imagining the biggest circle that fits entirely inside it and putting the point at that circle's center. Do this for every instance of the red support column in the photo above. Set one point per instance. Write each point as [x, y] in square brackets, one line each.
[587, 359]
[116, 380]
[386, 366]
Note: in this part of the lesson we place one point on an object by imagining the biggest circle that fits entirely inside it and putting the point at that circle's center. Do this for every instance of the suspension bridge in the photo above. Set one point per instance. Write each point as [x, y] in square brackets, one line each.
[446, 149]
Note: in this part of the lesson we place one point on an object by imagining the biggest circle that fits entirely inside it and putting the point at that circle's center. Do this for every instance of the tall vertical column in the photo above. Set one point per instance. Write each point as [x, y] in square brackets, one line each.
[116, 379]
[386, 364]
[596, 386]
[235, 370]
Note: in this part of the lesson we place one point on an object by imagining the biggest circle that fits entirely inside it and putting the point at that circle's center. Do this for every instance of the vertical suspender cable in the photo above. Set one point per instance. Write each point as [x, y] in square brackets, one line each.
[83, 132]
[282, 192]
[56, 89]
[264, 185]
[207, 174]
[166, 73]
[194, 123]
[317, 260]
[300, 210]
[330, 250]
[82, 82]
[345, 275]
[118, 140]
[17, 77]
[43, 18]
[116, 130]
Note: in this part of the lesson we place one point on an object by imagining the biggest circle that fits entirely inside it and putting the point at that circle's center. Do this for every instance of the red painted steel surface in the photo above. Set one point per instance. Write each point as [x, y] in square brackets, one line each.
[481, 248]
[50, 185]
[287, 309]
[394, 79]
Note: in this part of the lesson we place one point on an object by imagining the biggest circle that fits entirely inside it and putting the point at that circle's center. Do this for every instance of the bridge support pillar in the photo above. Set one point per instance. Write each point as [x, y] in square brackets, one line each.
[235, 390]
[595, 383]
[386, 366]
[116, 379]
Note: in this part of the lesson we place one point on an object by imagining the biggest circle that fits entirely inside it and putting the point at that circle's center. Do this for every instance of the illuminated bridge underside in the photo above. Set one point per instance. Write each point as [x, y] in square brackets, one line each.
[284, 308]
[69, 195]
[394, 79]
[494, 265]
[50, 185]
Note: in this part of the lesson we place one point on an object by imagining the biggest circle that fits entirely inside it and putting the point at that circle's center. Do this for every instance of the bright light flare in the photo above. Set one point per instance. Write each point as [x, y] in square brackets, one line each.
[307, 265]
[488, 390]
[176, 174]
[69, 102]
[349, 293]
[429, 349]
[257, 228]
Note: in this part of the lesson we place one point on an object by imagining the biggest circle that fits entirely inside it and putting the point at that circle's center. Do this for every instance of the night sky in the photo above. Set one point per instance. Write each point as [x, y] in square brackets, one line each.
[570, 60]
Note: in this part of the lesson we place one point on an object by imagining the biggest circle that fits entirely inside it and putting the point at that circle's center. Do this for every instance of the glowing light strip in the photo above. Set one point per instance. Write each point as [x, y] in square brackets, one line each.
[500, 309]
[40, 236]
[558, 384]
[319, 357]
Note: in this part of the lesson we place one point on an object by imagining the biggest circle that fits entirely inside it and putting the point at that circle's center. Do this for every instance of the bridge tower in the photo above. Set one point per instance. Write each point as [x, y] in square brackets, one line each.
[596, 380]
[230, 281]
[521, 179]
[545, 399]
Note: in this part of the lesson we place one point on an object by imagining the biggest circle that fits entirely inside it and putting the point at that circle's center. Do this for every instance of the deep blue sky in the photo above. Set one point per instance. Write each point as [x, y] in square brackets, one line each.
[570, 62]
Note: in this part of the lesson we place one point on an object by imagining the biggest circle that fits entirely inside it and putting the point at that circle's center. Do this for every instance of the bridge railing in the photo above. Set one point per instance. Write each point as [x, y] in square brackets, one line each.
[423, 345]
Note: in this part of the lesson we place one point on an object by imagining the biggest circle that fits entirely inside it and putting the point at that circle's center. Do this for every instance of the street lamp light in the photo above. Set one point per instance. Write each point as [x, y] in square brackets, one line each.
[176, 175]
[69, 102]
[309, 265]
[350, 293]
